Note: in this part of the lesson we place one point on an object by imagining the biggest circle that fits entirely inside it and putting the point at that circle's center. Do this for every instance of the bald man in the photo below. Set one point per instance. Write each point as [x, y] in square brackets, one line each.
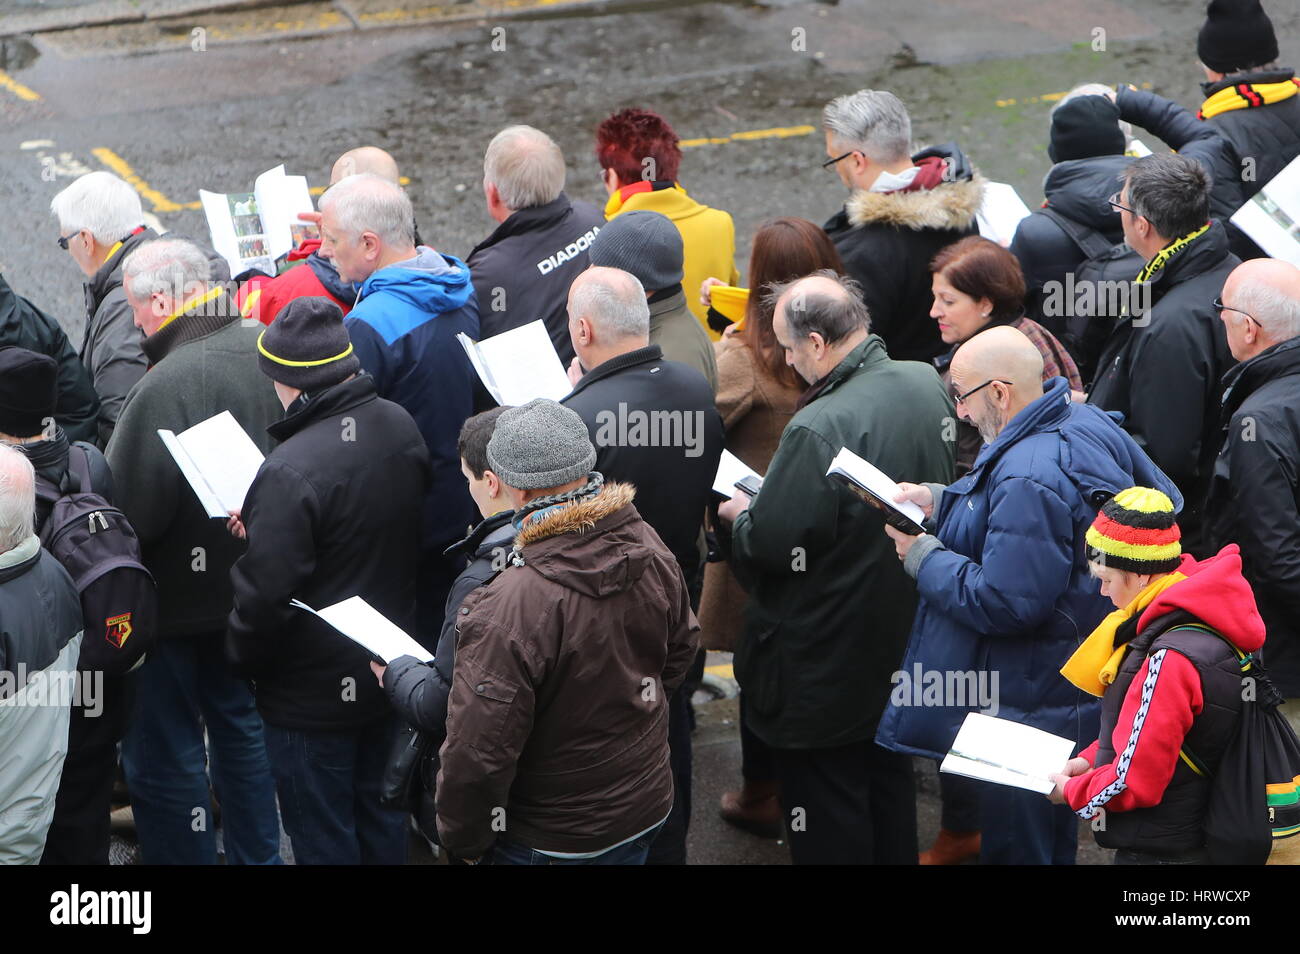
[1005, 592]
[1254, 501]
[262, 296]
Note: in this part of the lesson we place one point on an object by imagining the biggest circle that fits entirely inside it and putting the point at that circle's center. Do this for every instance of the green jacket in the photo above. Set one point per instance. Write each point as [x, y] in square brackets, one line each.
[189, 553]
[681, 338]
[830, 607]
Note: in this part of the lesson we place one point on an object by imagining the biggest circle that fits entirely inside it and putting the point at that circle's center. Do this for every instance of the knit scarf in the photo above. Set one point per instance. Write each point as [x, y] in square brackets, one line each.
[1247, 96]
[619, 196]
[1151, 268]
[1096, 662]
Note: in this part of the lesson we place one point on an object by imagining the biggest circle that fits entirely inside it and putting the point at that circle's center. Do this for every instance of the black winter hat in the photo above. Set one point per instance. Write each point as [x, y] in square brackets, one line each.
[28, 391]
[1084, 127]
[307, 347]
[1236, 35]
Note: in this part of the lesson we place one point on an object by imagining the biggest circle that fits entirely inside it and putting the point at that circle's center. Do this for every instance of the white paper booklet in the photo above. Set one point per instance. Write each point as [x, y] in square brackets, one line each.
[253, 229]
[731, 469]
[870, 482]
[518, 365]
[1000, 213]
[1272, 217]
[1008, 753]
[219, 460]
[363, 624]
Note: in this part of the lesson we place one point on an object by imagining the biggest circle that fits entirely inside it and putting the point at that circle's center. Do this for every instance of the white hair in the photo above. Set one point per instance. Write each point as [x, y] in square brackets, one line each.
[1276, 311]
[613, 301]
[101, 203]
[874, 121]
[1095, 89]
[369, 203]
[175, 268]
[525, 165]
[17, 498]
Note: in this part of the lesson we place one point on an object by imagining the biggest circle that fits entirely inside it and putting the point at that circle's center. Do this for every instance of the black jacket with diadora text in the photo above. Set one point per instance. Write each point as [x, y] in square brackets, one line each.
[655, 426]
[523, 270]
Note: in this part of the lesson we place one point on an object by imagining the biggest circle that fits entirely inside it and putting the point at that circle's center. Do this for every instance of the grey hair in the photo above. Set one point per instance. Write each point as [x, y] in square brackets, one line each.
[1095, 89]
[17, 498]
[525, 165]
[614, 301]
[176, 268]
[832, 316]
[101, 203]
[1172, 192]
[1277, 312]
[369, 203]
[874, 121]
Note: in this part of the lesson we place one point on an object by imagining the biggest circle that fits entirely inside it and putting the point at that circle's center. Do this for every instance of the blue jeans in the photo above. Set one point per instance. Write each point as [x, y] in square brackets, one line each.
[1020, 827]
[329, 782]
[184, 685]
[632, 853]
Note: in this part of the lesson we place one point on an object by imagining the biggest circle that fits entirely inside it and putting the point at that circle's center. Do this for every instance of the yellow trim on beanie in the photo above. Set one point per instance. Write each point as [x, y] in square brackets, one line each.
[299, 364]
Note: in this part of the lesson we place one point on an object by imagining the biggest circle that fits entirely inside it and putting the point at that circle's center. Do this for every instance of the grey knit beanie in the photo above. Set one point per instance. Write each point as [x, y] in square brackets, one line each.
[540, 444]
[644, 243]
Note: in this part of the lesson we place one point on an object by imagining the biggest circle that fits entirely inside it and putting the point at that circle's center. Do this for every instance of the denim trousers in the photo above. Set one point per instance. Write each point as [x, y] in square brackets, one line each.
[329, 782]
[184, 686]
[633, 852]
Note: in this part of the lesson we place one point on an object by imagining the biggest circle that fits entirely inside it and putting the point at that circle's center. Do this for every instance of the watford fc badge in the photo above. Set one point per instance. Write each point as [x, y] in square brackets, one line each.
[118, 629]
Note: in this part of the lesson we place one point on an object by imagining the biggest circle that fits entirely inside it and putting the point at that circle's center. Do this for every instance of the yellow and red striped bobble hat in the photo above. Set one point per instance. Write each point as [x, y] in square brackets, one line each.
[1136, 531]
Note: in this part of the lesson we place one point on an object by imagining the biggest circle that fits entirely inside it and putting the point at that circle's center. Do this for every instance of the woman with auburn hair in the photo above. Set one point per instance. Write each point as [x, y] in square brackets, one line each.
[757, 395]
[978, 284]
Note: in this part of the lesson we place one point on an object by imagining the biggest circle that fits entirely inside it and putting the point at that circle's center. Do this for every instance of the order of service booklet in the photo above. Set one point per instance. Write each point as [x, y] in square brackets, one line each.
[732, 470]
[873, 485]
[367, 627]
[1272, 216]
[219, 460]
[1008, 753]
[518, 365]
[253, 229]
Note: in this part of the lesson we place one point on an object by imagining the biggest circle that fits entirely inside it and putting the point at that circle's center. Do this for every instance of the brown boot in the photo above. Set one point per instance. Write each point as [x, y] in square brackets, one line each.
[755, 808]
[952, 848]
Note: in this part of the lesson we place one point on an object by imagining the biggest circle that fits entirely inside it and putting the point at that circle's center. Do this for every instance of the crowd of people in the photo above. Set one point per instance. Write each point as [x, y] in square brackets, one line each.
[1097, 474]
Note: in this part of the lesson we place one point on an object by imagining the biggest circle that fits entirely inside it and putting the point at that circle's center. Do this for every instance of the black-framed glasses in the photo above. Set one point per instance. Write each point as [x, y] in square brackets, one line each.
[1219, 306]
[963, 398]
[1113, 201]
[63, 239]
[830, 162]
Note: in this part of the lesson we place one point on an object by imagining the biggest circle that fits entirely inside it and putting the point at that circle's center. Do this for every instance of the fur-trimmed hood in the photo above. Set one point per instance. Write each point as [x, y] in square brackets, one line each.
[946, 205]
[561, 547]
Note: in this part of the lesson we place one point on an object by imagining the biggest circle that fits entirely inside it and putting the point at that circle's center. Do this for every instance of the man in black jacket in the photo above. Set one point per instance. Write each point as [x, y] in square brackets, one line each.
[22, 324]
[1255, 492]
[522, 271]
[1250, 101]
[654, 425]
[903, 209]
[79, 833]
[333, 513]
[1162, 364]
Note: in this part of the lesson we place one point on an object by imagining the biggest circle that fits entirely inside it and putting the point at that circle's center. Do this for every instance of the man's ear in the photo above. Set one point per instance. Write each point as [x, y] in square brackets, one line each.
[371, 244]
[819, 344]
[159, 304]
[493, 483]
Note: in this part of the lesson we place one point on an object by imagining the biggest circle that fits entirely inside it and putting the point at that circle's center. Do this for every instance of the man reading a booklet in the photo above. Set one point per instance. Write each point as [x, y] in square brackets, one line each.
[333, 513]
[1003, 582]
[190, 327]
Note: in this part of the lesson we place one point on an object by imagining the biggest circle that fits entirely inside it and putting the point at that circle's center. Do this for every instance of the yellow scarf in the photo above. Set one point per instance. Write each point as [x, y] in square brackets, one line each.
[1246, 95]
[196, 303]
[730, 302]
[1096, 662]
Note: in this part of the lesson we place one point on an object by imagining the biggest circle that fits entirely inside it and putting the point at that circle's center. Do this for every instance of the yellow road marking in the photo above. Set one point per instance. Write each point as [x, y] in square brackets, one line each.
[722, 671]
[778, 132]
[18, 89]
[122, 168]
[1044, 98]
[327, 20]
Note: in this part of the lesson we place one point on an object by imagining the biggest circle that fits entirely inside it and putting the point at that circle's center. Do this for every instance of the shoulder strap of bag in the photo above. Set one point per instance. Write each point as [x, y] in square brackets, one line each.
[1092, 243]
[1244, 660]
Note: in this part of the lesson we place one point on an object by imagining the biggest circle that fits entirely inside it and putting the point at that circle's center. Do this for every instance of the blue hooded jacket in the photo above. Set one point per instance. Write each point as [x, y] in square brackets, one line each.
[404, 328]
[1009, 593]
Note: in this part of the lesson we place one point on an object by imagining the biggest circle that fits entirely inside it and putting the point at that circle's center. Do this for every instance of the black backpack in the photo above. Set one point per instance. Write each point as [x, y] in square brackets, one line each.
[1087, 328]
[96, 545]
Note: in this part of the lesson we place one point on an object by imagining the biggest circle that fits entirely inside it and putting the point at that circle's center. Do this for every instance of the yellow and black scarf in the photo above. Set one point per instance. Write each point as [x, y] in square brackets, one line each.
[1247, 96]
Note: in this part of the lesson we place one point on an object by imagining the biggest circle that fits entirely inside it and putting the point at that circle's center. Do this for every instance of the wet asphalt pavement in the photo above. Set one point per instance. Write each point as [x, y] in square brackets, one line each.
[146, 103]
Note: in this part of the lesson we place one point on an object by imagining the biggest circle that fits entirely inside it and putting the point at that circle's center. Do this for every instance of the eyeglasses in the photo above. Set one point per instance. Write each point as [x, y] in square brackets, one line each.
[1221, 307]
[830, 162]
[63, 239]
[962, 398]
[1114, 201]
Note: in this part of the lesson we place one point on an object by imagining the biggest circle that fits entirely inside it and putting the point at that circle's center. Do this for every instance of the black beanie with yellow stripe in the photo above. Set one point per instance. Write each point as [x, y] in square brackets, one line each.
[1136, 531]
[307, 346]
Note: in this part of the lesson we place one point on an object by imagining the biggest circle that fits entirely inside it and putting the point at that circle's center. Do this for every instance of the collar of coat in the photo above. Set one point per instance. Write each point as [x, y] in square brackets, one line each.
[948, 206]
[1247, 91]
[577, 517]
[1041, 414]
[869, 352]
[619, 363]
[1244, 379]
[109, 275]
[204, 316]
[486, 530]
[528, 220]
[327, 402]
